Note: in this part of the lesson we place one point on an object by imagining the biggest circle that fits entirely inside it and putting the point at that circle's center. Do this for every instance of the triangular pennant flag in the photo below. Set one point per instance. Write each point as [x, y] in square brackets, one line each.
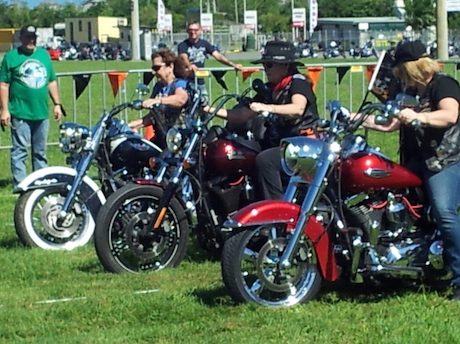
[218, 74]
[148, 76]
[341, 71]
[314, 73]
[247, 72]
[370, 71]
[81, 81]
[116, 79]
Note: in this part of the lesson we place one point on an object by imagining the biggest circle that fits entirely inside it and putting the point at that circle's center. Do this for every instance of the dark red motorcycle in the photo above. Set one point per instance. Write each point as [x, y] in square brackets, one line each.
[363, 218]
[203, 178]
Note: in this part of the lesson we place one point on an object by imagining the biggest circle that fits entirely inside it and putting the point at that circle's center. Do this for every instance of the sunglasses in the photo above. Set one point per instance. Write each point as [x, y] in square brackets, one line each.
[193, 30]
[156, 68]
[268, 65]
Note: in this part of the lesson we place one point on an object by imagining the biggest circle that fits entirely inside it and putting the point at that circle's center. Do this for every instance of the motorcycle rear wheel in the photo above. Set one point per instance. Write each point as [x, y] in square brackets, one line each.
[125, 244]
[250, 272]
[35, 215]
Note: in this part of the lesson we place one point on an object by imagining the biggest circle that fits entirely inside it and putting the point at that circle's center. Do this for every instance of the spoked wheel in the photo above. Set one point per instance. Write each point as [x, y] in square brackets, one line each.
[251, 272]
[124, 240]
[35, 219]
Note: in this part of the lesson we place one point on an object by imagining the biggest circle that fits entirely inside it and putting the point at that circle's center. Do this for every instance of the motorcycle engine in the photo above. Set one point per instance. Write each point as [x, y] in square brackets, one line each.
[397, 232]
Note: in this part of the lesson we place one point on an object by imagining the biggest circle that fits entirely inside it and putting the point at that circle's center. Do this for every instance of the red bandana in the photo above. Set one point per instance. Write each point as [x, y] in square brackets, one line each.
[282, 84]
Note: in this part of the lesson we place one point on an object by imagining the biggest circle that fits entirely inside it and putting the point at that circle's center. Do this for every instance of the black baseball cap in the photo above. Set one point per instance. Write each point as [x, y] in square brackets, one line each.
[28, 30]
[409, 51]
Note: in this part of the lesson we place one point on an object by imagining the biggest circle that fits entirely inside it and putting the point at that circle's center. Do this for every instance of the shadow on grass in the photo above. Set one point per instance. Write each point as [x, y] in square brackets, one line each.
[6, 182]
[12, 243]
[332, 293]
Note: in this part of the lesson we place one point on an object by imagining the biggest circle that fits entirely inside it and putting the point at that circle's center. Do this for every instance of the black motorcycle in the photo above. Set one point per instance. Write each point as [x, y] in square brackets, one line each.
[58, 205]
[204, 177]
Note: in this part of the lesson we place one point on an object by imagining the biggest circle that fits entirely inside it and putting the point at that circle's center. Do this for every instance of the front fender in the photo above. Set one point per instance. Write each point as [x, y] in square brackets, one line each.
[54, 176]
[272, 212]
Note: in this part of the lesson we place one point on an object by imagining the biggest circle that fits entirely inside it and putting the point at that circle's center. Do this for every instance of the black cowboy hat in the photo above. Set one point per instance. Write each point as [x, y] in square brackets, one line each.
[278, 52]
[409, 51]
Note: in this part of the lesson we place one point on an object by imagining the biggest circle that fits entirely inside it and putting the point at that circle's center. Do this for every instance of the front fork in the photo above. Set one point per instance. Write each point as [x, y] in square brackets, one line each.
[315, 190]
[81, 168]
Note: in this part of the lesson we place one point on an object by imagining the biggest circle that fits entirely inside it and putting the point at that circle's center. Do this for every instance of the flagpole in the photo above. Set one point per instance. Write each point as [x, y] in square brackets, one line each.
[135, 51]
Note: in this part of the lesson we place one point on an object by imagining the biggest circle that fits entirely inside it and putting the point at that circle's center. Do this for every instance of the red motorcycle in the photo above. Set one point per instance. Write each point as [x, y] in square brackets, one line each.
[362, 218]
[203, 178]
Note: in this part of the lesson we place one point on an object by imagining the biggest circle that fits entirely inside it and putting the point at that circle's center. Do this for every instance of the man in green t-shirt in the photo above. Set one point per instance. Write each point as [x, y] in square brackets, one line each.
[26, 78]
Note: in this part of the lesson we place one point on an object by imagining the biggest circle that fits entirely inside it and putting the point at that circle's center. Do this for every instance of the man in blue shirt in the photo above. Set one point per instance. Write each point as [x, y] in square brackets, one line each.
[194, 50]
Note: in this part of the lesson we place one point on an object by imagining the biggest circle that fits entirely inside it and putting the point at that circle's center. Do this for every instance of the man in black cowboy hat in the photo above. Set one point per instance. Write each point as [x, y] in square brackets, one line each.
[289, 96]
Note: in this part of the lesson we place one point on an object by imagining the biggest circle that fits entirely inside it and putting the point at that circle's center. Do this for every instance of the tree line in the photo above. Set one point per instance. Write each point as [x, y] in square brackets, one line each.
[273, 15]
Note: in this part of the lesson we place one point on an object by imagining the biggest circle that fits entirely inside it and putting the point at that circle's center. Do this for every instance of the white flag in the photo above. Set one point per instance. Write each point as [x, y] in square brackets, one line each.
[313, 15]
[161, 11]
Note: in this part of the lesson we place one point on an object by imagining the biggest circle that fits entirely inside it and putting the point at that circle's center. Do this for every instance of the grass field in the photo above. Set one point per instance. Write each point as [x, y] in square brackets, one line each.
[66, 297]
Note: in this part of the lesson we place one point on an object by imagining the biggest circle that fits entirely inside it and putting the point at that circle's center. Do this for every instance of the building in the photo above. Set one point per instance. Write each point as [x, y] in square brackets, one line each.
[84, 29]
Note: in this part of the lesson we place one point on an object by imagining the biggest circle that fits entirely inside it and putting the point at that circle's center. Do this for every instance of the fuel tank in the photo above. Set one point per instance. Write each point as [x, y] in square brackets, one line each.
[366, 171]
[227, 157]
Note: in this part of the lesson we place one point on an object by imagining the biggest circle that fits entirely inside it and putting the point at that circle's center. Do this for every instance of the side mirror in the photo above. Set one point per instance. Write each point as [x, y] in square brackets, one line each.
[142, 89]
[406, 101]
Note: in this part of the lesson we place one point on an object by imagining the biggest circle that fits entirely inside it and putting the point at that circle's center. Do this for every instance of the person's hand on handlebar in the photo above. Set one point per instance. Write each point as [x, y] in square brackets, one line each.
[149, 103]
[408, 115]
[261, 107]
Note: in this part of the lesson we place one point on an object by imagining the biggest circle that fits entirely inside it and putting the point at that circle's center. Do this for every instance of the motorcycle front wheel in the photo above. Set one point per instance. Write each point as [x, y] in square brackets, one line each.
[35, 220]
[123, 239]
[251, 274]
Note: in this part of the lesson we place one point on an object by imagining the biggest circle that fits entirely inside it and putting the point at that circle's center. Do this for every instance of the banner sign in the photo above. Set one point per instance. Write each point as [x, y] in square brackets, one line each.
[313, 15]
[206, 21]
[168, 23]
[298, 17]
[250, 19]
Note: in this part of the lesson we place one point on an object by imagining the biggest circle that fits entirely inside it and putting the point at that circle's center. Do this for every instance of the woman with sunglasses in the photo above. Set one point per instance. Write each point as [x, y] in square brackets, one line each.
[291, 99]
[169, 93]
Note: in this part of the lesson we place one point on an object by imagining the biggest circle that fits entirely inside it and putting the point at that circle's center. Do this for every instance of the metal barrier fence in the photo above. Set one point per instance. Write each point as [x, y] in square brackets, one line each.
[346, 82]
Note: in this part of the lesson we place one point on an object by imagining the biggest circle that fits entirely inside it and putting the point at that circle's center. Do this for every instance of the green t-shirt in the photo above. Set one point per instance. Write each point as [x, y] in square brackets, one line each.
[28, 76]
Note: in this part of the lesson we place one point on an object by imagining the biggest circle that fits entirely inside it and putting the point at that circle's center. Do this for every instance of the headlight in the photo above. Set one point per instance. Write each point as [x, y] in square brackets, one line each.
[299, 155]
[174, 140]
[73, 137]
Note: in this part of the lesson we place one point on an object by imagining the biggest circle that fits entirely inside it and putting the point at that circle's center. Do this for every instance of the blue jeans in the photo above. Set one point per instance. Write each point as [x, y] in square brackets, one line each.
[444, 193]
[201, 88]
[23, 133]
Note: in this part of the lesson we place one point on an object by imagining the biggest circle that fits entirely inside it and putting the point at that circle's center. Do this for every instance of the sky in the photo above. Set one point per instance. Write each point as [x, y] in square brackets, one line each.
[33, 3]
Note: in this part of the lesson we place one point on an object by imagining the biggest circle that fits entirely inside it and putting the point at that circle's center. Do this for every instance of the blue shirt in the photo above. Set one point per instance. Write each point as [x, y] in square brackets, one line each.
[171, 113]
[196, 53]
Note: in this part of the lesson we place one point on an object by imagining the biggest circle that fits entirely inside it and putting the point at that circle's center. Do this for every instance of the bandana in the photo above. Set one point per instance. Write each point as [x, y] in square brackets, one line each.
[281, 85]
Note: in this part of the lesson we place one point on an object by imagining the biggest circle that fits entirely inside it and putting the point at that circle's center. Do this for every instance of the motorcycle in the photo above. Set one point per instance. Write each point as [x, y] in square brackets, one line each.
[145, 225]
[57, 205]
[334, 50]
[367, 50]
[363, 218]
[305, 49]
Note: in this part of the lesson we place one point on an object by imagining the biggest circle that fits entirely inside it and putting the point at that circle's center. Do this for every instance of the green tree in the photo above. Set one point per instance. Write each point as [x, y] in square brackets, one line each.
[45, 15]
[18, 14]
[355, 8]
[420, 14]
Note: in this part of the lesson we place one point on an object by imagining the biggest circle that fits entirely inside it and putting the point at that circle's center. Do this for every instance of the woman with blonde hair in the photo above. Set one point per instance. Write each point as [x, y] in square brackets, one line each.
[432, 149]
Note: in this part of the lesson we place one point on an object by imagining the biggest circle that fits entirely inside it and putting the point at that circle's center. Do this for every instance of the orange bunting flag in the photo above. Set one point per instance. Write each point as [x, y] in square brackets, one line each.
[149, 132]
[116, 79]
[441, 65]
[247, 72]
[369, 72]
[314, 73]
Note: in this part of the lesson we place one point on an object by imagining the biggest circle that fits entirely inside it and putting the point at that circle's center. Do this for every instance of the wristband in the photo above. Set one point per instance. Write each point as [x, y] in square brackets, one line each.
[56, 104]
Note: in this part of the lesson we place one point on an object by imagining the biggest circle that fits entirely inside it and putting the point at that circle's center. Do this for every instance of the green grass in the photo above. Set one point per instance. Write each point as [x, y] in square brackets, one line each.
[189, 304]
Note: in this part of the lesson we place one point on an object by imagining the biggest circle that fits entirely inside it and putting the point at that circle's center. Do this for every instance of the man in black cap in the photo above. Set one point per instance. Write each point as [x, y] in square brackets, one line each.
[432, 150]
[26, 78]
[289, 97]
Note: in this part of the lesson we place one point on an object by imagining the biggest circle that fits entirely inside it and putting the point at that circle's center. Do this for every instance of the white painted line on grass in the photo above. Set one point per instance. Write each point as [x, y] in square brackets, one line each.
[61, 300]
[146, 291]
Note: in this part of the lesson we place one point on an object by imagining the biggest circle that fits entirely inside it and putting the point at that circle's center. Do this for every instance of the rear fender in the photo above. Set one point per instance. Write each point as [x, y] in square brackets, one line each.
[273, 212]
[63, 176]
